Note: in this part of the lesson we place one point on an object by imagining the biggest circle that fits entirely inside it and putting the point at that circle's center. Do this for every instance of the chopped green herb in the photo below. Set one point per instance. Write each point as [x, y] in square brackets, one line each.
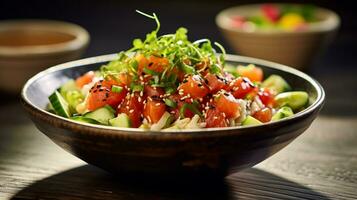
[170, 103]
[116, 88]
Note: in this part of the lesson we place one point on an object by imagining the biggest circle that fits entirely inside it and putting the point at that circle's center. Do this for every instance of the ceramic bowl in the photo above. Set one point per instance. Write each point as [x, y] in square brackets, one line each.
[189, 153]
[29, 46]
[293, 48]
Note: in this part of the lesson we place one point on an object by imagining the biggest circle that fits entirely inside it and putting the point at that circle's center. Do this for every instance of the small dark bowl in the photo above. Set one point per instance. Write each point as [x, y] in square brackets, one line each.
[213, 151]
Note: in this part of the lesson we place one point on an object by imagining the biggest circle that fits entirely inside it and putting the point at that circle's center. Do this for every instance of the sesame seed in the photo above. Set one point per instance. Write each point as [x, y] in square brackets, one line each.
[215, 117]
[150, 99]
[132, 95]
[141, 93]
[127, 107]
[141, 78]
[172, 112]
[157, 104]
[224, 115]
[184, 97]
[131, 111]
[139, 99]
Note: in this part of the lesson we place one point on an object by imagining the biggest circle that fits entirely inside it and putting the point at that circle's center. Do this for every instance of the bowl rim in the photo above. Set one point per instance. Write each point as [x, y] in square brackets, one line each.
[80, 40]
[332, 22]
[175, 134]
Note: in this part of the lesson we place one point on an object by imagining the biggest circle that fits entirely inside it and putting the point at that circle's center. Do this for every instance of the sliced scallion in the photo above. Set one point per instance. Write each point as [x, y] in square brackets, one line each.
[117, 89]
[170, 103]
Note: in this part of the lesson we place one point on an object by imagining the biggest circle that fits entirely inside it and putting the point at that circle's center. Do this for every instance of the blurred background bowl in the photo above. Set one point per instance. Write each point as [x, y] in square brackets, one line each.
[294, 48]
[29, 46]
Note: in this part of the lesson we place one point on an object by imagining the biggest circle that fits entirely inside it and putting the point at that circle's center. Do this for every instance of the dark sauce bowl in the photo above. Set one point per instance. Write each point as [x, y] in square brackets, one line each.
[214, 152]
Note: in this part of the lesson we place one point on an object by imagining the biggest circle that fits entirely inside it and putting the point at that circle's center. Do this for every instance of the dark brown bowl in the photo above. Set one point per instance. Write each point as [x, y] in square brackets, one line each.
[213, 151]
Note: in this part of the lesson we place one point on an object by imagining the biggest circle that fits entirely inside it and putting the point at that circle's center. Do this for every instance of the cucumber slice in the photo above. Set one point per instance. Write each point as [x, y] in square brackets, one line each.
[68, 86]
[277, 83]
[144, 127]
[59, 104]
[296, 100]
[249, 120]
[84, 119]
[282, 113]
[102, 115]
[74, 97]
[231, 69]
[122, 120]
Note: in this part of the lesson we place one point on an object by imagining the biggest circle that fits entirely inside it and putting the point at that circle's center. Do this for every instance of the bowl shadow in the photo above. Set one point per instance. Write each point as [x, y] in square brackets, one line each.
[89, 182]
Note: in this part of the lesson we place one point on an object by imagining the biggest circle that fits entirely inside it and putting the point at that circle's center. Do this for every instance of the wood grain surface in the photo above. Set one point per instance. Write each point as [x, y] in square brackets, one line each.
[320, 164]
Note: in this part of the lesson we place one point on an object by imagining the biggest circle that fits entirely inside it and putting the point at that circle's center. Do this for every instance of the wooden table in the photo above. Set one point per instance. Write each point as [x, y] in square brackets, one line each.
[320, 164]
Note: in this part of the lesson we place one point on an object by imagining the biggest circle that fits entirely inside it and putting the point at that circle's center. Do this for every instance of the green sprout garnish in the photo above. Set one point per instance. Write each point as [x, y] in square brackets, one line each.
[183, 55]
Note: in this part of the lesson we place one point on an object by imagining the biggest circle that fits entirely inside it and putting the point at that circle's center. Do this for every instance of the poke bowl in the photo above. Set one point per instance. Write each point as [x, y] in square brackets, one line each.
[291, 34]
[179, 111]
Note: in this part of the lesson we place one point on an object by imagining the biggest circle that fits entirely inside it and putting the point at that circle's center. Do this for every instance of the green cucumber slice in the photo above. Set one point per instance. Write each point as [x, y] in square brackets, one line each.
[277, 83]
[249, 120]
[296, 100]
[84, 119]
[68, 86]
[74, 98]
[122, 120]
[102, 115]
[59, 104]
[282, 113]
